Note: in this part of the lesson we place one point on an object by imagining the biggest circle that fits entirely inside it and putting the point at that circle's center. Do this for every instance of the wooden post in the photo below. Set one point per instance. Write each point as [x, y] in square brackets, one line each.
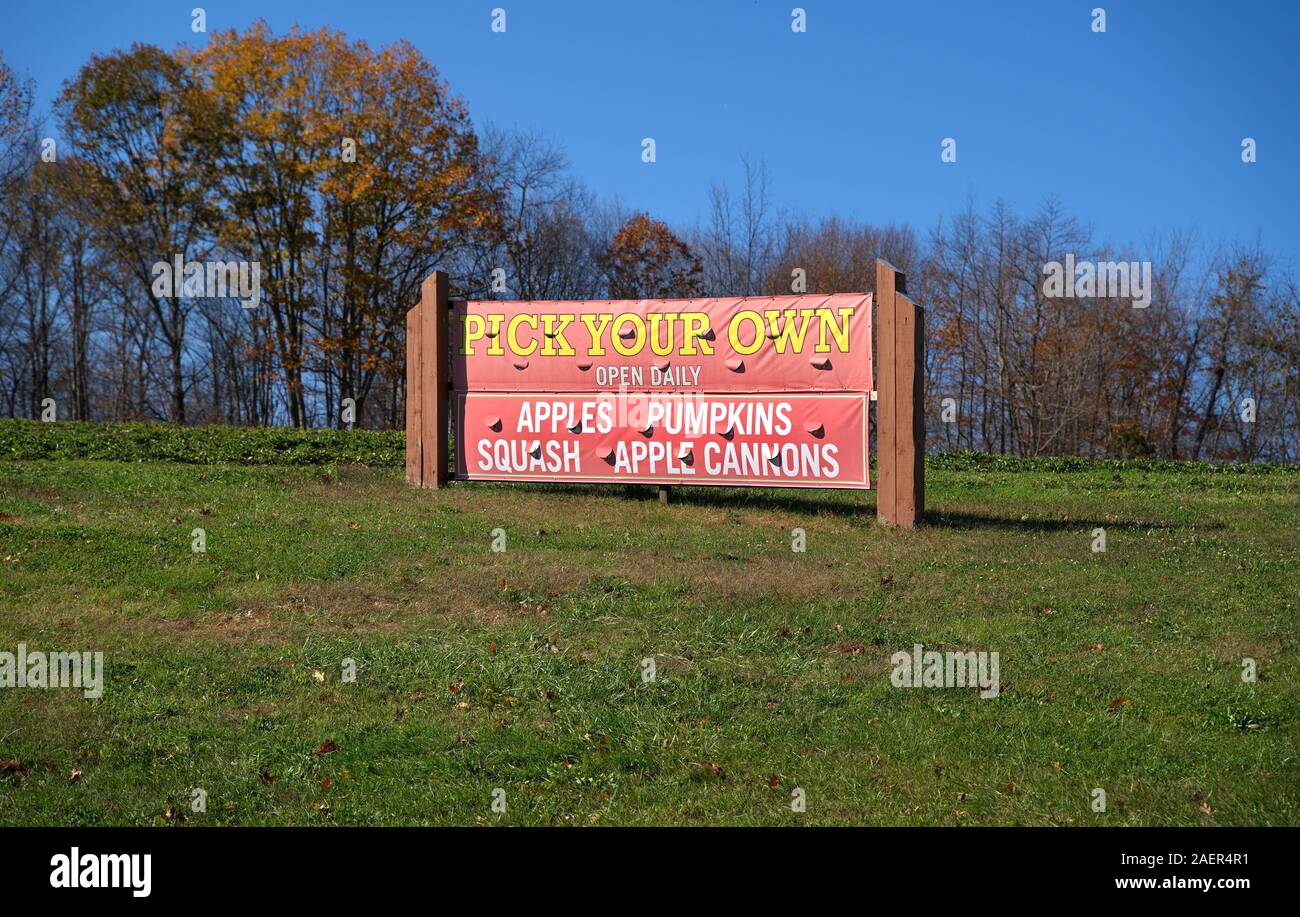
[909, 413]
[664, 491]
[900, 401]
[435, 379]
[887, 280]
[918, 415]
[414, 394]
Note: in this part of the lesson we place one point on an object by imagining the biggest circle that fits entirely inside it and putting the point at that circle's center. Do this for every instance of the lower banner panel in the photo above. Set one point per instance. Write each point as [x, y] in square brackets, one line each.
[768, 440]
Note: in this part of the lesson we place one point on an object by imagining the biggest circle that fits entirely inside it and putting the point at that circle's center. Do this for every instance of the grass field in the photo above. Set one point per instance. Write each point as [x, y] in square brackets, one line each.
[522, 670]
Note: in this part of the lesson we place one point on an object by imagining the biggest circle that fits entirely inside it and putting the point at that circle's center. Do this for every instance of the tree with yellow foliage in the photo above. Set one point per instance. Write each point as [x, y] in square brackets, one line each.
[349, 174]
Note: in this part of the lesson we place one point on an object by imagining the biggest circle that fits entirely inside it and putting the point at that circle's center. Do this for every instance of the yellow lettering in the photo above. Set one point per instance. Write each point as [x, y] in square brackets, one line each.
[512, 329]
[495, 349]
[629, 350]
[475, 328]
[555, 336]
[597, 331]
[662, 349]
[733, 335]
[788, 334]
[839, 331]
[697, 326]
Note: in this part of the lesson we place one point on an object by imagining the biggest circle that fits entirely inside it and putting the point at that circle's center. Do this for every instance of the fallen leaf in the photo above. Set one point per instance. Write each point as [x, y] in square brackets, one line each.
[326, 747]
[327, 783]
[1117, 703]
[12, 767]
[75, 775]
[267, 777]
[318, 675]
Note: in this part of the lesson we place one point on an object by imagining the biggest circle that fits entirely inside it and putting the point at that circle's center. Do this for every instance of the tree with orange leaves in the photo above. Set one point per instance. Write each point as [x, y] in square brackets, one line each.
[645, 260]
[350, 174]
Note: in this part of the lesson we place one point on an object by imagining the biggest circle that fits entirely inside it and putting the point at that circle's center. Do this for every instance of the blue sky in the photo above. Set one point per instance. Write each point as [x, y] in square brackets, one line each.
[1135, 130]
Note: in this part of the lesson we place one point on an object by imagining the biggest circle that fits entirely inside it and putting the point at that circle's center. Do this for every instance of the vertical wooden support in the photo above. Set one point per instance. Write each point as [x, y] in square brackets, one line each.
[886, 362]
[900, 401]
[435, 379]
[414, 394]
[918, 415]
[909, 417]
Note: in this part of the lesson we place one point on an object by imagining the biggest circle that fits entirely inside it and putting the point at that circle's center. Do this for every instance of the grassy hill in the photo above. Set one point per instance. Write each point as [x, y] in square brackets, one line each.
[522, 670]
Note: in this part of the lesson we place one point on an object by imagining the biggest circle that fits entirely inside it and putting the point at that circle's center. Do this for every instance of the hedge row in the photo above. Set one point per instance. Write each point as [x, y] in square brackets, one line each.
[161, 442]
[987, 461]
[155, 442]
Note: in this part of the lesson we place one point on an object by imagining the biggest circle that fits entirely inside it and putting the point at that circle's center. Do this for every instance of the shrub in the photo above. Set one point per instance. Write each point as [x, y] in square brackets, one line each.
[144, 442]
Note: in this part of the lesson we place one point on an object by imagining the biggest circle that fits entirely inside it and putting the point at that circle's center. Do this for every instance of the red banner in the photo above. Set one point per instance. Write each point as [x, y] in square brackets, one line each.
[755, 344]
[768, 391]
[790, 440]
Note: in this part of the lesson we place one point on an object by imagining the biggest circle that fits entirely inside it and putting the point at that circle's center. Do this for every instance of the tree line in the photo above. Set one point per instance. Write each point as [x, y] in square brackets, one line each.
[347, 174]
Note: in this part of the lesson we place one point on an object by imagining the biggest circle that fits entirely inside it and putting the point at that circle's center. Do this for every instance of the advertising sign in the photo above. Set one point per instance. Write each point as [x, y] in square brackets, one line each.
[757, 391]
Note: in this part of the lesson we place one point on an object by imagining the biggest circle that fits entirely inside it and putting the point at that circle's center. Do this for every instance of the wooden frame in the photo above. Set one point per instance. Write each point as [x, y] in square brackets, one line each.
[899, 333]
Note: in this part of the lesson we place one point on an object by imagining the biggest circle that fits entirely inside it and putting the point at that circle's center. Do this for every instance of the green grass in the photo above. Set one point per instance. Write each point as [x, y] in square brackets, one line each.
[522, 670]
